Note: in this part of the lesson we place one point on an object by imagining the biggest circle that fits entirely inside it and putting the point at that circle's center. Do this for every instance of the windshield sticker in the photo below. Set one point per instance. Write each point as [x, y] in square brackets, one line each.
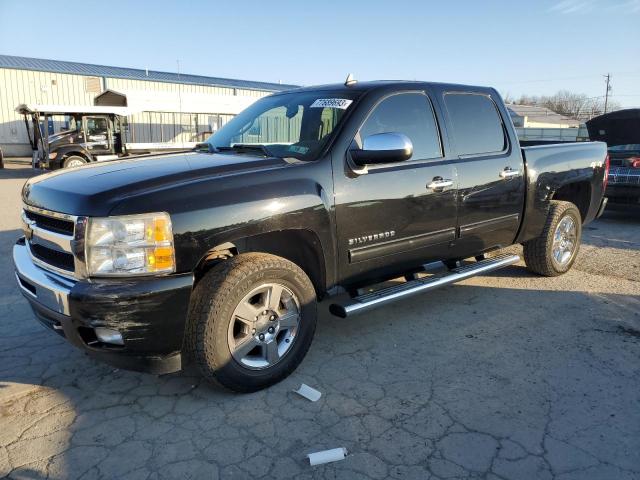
[341, 103]
[298, 149]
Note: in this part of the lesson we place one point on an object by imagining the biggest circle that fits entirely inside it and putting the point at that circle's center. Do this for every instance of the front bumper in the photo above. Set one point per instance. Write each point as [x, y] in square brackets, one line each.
[621, 193]
[150, 313]
[624, 185]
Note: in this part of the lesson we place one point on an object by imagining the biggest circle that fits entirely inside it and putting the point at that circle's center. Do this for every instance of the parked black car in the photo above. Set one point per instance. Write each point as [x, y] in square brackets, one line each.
[220, 255]
[621, 131]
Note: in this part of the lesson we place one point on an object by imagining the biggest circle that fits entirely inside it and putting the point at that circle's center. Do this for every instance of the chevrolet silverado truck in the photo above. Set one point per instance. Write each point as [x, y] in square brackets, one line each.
[219, 256]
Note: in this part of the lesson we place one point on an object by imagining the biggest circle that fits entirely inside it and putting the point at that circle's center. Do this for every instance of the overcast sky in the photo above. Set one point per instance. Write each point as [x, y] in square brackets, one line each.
[533, 47]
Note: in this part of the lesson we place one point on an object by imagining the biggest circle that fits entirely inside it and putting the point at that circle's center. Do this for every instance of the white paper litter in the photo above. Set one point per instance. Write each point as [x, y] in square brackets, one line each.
[327, 456]
[309, 393]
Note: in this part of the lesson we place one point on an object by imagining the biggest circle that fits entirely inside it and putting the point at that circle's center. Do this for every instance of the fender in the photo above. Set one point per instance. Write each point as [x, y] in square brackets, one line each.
[76, 148]
[551, 167]
[232, 208]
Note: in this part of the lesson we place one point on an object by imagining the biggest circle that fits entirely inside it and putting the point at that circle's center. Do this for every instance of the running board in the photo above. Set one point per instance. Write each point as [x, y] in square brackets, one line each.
[367, 301]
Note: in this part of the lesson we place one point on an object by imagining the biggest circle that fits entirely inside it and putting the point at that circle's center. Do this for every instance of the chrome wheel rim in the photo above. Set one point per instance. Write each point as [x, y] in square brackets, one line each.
[264, 326]
[75, 163]
[564, 241]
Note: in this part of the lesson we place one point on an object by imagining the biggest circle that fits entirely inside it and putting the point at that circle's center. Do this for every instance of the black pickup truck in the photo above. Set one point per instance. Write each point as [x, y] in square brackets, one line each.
[220, 255]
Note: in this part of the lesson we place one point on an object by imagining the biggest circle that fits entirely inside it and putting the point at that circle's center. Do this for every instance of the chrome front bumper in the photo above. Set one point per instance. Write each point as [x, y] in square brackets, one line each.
[46, 288]
[150, 313]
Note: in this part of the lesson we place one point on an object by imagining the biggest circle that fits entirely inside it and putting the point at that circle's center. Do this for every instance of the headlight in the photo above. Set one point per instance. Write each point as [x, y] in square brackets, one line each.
[130, 245]
[53, 155]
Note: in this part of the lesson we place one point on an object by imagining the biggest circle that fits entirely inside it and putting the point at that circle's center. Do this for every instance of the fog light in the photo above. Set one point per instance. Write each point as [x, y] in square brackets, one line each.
[106, 335]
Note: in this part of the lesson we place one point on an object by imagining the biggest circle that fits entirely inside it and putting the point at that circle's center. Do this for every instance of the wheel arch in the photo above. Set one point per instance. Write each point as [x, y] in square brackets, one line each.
[579, 193]
[66, 153]
[300, 246]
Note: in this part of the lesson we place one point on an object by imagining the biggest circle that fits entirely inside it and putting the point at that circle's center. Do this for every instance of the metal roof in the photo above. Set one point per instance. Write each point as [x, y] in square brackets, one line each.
[538, 113]
[74, 68]
[27, 109]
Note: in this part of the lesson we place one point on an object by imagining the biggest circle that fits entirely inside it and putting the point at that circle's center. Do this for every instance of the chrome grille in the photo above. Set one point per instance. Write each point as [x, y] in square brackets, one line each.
[57, 225]
[624, 175]
[50, 239]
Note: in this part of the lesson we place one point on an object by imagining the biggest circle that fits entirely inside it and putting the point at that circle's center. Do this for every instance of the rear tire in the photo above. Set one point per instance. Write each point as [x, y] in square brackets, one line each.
[74, 161]
[248, 354]
[554, 251]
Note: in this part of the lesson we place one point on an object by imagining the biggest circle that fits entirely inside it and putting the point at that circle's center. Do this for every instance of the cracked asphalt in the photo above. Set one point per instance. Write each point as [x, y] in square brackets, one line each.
[504, 376]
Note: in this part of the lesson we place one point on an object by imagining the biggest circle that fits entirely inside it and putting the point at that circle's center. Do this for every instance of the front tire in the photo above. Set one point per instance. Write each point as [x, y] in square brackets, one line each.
[252, 321]
[73, 161]
[554, 251]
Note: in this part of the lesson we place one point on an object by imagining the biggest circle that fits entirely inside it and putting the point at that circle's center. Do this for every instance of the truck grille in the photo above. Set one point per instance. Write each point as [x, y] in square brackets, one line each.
[61, 260]
[624, 175]
[50, 236]
[57, 225]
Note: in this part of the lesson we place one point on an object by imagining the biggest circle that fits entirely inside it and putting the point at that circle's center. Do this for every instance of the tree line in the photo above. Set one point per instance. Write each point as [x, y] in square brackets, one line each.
[573, 105]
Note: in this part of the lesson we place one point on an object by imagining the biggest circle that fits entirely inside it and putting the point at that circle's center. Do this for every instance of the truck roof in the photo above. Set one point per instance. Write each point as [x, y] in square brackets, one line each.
[376, 84]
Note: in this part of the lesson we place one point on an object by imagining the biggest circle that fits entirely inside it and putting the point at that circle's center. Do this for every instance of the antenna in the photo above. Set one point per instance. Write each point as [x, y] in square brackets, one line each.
[350, 81]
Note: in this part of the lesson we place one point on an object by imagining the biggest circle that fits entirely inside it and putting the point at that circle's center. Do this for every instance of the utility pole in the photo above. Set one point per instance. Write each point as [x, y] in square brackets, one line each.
[606, 93]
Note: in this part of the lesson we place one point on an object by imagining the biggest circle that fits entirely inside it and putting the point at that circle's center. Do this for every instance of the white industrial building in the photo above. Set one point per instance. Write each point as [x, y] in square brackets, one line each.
[166, 107]
[536, 116]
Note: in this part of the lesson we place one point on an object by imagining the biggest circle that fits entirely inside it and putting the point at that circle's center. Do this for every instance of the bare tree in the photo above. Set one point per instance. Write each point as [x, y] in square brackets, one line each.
[573, 105]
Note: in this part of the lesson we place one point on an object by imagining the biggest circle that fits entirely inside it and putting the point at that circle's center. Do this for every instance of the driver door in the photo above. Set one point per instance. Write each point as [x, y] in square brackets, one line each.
[391, 217]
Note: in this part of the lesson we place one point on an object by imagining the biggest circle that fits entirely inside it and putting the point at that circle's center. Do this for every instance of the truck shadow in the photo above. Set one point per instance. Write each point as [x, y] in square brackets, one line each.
[498, 357]
[618, 229]
[11, 171]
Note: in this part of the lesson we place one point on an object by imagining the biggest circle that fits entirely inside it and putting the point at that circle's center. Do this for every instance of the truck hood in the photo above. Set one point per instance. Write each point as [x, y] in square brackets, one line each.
[621, 127]
[93, 190]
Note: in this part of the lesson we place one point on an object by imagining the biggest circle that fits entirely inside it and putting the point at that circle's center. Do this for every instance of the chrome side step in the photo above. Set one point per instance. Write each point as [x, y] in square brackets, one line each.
[367, 301]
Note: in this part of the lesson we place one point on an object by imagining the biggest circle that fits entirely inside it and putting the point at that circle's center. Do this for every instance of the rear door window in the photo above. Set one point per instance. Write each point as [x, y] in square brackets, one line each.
[476, 124]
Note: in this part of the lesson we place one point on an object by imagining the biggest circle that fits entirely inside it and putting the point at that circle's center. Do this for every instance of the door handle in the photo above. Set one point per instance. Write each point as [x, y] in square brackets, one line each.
[439, 183]
[508, 172]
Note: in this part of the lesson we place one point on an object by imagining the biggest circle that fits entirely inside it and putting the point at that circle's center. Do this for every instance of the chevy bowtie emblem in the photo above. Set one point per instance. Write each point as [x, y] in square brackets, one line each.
[27, 227]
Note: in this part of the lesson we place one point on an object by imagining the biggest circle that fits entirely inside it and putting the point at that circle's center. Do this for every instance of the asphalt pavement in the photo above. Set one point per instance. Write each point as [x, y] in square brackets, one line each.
[504, 376]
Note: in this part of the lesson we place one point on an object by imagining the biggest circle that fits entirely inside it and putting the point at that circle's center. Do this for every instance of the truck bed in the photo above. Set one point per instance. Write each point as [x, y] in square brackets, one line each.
[549, 168]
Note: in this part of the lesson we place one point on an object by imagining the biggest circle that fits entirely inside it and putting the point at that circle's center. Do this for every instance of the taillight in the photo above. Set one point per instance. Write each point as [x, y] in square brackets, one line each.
[635, 162]
[606, 171]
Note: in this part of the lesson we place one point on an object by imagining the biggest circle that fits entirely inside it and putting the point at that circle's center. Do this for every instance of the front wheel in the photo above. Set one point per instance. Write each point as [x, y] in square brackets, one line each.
[555, 250]
[73, 161]
[252, 321]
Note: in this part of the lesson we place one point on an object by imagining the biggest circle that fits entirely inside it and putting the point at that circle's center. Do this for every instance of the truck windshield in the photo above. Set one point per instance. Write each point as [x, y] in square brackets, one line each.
[297, 124]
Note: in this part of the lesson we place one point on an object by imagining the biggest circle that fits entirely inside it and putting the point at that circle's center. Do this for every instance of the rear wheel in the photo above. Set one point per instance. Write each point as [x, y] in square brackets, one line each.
[73, 161]
[252, 321]
[555, 250]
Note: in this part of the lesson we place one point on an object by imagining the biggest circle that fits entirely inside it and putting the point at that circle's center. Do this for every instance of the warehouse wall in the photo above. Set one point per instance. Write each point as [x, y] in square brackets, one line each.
[151, 127]
[24, 86]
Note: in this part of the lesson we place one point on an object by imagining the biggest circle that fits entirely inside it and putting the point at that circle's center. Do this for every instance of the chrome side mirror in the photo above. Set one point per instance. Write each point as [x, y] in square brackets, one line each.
[385, 147]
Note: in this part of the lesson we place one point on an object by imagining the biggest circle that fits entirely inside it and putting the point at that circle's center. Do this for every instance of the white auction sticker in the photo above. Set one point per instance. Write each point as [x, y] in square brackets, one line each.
[341, 103]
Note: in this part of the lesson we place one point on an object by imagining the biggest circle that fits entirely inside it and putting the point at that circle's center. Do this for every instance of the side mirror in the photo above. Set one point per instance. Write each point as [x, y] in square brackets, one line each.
[385, 147]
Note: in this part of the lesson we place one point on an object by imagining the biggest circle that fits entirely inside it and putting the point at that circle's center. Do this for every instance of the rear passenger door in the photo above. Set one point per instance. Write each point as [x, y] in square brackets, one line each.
[490, 173]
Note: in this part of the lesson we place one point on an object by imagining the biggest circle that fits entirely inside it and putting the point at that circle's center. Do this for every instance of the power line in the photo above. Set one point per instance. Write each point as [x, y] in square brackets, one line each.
[619, 74]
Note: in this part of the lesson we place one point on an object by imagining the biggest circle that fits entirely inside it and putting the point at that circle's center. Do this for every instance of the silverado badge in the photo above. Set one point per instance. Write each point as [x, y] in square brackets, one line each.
[370, 238]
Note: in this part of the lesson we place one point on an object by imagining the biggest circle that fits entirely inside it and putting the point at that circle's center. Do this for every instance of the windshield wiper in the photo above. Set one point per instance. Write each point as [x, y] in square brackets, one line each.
[247, 148]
